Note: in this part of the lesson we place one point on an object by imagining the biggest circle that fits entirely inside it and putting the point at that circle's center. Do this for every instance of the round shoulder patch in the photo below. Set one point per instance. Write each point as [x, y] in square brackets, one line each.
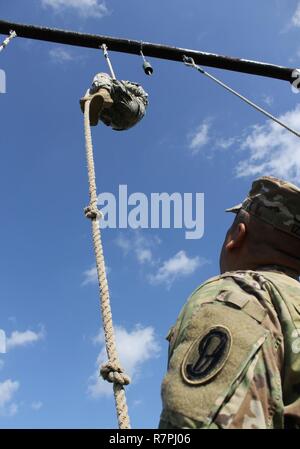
[207, 355]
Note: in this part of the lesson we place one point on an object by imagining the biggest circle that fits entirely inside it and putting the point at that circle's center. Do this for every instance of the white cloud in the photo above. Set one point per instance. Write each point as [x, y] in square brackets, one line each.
[60, 55]
[85, 8]
[272, 150]
[23, 338]
[268, 99]
[140, 246]
[200, 137]
[12, 409]
[90, 276]
[165, 273]
[2, 342]
[8, 389]
[143, 248]
[135, 348]
[226, 143]
[144, 255]
[296, 17]
[37, 405]
[123, 243]
[177, 266]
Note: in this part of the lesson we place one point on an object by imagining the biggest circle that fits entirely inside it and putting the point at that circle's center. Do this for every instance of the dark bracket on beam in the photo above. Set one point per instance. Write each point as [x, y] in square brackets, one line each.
[149, 49]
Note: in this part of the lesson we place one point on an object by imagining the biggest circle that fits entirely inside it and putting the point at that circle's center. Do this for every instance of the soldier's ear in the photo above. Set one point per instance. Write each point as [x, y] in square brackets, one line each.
[237, 237]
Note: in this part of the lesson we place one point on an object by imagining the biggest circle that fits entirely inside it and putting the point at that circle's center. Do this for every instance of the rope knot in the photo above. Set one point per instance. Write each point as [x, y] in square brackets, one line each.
[92, 212]
[114, 373]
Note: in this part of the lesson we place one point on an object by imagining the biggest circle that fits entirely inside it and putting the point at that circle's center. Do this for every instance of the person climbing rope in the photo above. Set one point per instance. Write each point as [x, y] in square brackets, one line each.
[119, 104]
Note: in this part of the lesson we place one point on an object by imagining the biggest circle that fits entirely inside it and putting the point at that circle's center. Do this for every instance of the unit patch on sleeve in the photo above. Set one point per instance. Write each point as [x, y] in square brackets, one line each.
[207, 355]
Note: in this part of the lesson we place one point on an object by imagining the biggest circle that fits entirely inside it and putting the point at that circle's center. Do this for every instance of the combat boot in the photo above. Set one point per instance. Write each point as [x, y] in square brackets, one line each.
[99, 100]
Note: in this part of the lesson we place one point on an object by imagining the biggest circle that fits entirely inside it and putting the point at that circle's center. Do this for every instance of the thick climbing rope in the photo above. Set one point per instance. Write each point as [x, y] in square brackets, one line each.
[190, 63]
[111, 371]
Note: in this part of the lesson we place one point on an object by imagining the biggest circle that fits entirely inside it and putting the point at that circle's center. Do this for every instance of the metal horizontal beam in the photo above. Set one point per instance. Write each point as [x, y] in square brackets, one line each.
[149, 49]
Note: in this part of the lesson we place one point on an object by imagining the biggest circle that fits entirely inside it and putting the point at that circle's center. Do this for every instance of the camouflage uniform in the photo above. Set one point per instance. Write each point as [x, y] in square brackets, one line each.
[129, 102]
[234, 352]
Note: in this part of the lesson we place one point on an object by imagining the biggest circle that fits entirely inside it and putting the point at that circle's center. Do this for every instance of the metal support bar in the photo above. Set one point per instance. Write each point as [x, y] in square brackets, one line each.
[149, 49]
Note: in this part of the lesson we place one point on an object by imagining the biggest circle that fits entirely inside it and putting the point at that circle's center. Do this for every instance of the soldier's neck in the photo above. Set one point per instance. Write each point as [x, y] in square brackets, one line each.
[280, 269]
[277, 260]
[266, 257]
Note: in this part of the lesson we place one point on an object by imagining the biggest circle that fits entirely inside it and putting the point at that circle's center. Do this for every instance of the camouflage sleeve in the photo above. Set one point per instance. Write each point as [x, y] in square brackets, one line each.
[224, 366]
[137, 90]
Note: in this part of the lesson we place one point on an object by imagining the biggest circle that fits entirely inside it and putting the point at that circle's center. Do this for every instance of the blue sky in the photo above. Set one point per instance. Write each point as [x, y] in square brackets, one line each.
[195, 138]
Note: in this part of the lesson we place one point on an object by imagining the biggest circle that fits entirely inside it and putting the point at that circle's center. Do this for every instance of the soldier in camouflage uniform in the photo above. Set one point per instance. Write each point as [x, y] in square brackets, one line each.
[119, 104]
[234, 352]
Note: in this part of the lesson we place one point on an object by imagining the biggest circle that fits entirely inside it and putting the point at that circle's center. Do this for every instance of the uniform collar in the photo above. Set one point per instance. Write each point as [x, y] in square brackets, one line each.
[279, 268]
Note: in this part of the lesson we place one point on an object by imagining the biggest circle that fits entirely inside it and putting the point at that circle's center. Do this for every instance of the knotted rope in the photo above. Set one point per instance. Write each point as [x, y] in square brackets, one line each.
[114, 374]
[111, 371]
